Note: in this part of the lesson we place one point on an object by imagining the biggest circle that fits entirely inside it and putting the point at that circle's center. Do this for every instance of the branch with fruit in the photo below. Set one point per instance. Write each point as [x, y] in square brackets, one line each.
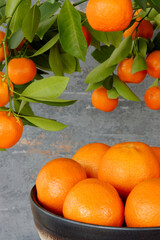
[53, 36]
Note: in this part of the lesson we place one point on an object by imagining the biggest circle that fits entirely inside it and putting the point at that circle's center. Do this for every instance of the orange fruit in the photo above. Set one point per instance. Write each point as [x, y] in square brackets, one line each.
[126, 164]
[156, 151]
[101, 101]
[152, 61]
[145, 29]
[125, 75]
[11, 129]
[142, 207]
[95, 202]
[21, 70]
[87, 35]
[4, 92]
[152, 98]
[2, 57]
[89, 156]
[54, 181]
[109, 15]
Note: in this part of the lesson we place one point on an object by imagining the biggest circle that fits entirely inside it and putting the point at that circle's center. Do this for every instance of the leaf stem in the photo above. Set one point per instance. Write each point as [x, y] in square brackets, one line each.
[80, 2]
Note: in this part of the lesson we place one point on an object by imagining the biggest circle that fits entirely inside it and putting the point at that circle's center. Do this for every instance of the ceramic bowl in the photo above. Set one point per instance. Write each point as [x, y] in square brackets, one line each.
[53, 227]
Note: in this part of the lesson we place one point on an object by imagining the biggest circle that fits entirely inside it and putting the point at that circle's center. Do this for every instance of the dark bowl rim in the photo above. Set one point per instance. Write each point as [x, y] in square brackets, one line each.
[94, 226]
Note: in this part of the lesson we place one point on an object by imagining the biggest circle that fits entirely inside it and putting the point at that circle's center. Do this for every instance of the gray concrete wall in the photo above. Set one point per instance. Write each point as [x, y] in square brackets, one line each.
[20, 165]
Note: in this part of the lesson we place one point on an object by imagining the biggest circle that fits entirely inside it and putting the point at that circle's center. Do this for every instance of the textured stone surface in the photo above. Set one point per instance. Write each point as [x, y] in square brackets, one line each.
[20, 165]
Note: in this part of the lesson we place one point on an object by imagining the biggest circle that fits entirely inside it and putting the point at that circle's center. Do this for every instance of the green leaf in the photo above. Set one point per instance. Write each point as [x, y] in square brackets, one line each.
[71, 35]
[112, 93]
[142, 43]
[108, 83]
[155, 4]
[45, 124]
[98, 35]
[124, 90]
[55, 61]
[47, 87]
[103, 54]
[47, 46]
[15, 39]
[2, 20]
[30, 23]
[142, 4]
[2, 150]
[155, 83]
[157, 19]
[21, 11]
[49, 101]
[139, 64]
[11, 7]
[115, 38]
[2, 11]
[69, 63]
[95, 43]
[23, 107]
[121, 52]
[93, 86]
[100, 73]
[45, 25]
[2, 3]
[47, 18]
[42, 62]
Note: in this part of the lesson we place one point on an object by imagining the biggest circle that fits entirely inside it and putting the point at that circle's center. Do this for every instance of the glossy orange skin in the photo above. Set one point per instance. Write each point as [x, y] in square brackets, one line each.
[21, 70]
[101, 101]
[153, 61]
[55, 180]
[4, 92]
[89, 156]
[95, 202]
[142, 207]
[126, 164]
[11, 130]
[109, 15]
[2, 57]
[152, 98]
[156, 151]
[145, 30]
[87, 35]
[125, 75]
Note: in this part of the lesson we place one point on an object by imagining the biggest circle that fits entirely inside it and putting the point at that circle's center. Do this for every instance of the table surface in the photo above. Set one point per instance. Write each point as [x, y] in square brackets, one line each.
[19, 166]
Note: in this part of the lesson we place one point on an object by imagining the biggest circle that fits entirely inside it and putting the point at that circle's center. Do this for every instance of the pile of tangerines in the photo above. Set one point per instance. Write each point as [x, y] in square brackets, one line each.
[103, 185]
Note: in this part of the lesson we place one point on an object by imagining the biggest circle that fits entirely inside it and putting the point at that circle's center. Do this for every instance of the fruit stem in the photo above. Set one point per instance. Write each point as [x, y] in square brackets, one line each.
[80, 2]
[6, 73]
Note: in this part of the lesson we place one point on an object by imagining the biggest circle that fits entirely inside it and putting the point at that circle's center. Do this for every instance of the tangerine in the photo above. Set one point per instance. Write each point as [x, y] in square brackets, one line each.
[11, 129]
[89, 157]
[109, 15]
[101, 101]
[4, 92]
[125, 75]
[126, 164]
[95, 202]
[21, 70]
[87, 35]
[152, 98]
[54, 181]
[142, 208]
[152, 61]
